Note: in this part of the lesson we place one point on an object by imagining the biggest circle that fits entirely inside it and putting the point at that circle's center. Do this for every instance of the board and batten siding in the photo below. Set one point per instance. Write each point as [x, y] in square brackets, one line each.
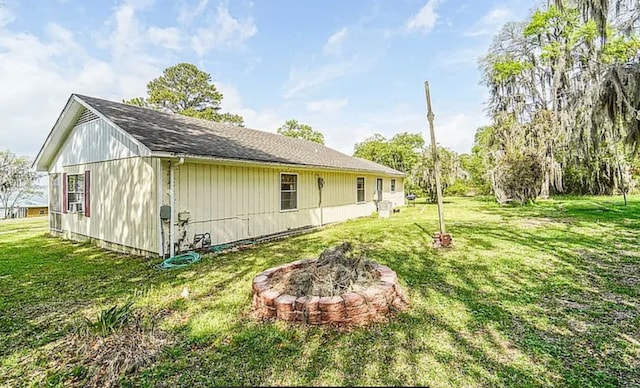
[94, 141]
[234, 202]
[395, 197]
[123, 208]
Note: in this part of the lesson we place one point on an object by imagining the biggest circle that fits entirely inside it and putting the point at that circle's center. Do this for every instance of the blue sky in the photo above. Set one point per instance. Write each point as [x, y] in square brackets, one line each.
[347, 68]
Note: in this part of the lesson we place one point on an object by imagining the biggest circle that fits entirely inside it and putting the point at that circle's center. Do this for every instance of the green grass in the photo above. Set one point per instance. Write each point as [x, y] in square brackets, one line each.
[545, 295]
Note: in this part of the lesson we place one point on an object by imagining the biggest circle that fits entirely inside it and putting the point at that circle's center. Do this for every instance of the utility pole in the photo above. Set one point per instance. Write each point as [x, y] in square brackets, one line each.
[441, 239]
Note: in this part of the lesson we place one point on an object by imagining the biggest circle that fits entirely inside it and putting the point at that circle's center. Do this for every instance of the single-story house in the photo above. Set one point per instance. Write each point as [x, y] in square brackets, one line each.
[146, 182]
[36, 211]
[24, 211]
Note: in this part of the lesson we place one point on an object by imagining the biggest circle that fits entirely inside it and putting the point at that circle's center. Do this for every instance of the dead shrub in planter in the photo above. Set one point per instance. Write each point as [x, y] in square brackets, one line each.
[338, 270]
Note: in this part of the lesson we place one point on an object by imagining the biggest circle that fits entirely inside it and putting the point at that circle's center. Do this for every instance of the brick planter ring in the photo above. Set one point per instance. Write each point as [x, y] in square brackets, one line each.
[352, 308]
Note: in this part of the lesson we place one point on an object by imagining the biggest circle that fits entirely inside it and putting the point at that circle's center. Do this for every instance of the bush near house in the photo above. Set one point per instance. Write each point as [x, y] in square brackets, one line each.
[542, 295]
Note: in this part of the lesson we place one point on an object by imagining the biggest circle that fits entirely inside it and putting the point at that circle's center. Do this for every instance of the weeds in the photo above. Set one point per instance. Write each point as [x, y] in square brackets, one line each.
[119, 342]
[111, 319]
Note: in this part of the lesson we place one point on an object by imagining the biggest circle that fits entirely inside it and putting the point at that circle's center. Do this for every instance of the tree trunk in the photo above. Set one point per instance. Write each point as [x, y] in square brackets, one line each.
[620, 176]
[544, 190]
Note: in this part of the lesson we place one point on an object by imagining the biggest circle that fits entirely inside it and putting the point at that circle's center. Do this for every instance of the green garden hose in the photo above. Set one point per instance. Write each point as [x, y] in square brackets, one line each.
[181, 261]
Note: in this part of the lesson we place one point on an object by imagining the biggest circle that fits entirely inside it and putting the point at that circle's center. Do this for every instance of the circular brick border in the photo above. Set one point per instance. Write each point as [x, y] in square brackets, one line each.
[371, 304]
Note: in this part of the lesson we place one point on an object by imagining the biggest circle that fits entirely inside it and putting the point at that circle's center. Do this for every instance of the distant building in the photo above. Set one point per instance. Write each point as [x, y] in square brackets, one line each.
[26, 211]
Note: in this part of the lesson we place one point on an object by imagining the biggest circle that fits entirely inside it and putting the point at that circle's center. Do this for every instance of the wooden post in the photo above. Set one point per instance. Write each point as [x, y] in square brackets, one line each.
[443, 238]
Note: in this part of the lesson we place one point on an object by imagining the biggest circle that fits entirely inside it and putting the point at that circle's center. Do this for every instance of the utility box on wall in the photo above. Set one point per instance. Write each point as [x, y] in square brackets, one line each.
[165, 212]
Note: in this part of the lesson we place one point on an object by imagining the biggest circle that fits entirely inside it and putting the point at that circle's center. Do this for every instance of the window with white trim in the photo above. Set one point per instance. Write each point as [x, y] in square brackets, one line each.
[288, 191]
[55, 193]
[360, 189]
[75, 193]
[393, 185]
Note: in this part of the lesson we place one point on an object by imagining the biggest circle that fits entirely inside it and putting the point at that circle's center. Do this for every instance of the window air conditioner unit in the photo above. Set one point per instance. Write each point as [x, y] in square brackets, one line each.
[75, 208]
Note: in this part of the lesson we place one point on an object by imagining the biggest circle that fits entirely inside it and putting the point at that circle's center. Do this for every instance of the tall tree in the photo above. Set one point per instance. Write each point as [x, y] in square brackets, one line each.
[292, 128]
[423, 173]
[401, 152]
[562, 95]
[479, 162]
[186, 90]
[625, 15]
[17, 180]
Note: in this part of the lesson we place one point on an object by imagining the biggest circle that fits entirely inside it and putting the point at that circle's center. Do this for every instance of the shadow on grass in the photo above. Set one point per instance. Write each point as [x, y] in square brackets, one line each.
[541, 305]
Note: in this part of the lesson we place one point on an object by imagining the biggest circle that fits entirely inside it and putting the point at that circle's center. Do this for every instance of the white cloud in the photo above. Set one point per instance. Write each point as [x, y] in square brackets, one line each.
[265, 120]
[334, 43]
[303, 79]
[42, 71]
[425, 19]
[6, 16]
[126, 34]
[455, 127]
[169, 38]
[223, 31]
[328, 105]
[490, 23]
[460, 57]
[457, 130]
[188, 12]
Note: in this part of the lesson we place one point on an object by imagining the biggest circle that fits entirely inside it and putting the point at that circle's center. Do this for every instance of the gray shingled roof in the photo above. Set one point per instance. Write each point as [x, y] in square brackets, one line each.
[174, 133]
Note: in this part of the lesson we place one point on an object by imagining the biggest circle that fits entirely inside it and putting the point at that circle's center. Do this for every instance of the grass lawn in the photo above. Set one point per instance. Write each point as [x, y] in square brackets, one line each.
[545, 295]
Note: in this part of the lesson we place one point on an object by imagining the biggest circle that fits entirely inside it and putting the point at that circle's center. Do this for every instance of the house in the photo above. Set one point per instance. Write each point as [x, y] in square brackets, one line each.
[146, 182]
[35, 211]
[26, 208]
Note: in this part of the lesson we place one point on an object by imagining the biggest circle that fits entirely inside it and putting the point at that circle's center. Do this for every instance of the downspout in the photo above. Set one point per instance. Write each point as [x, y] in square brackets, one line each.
[172, 200]
[320, 186]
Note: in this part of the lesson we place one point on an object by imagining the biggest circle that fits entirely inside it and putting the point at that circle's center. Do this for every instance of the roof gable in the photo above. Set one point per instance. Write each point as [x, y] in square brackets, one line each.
[83, 135]
[159, 133]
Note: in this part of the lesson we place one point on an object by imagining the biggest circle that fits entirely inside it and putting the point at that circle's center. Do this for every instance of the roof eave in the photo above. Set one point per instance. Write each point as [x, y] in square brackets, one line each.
[43, 159]
[173, 155]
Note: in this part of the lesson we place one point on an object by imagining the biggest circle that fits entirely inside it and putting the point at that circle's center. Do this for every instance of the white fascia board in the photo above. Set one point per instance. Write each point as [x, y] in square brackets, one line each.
[59, 131]
[256, 163]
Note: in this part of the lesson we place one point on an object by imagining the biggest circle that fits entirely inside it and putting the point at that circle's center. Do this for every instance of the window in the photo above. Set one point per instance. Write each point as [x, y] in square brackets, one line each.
[288, 191]
[55, 202]
[41, 212]
[55, 221]
[75, 193]
[360, 189]
[393, 185]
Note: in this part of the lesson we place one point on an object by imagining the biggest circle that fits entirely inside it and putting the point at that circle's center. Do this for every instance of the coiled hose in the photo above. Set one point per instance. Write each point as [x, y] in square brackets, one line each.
[181, 261]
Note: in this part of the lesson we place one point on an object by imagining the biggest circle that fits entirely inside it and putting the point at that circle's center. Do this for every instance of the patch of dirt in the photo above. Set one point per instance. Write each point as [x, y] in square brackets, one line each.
[578, 326]
[617, 299]
[614, 265]
[571, 304]
[629, 254]
[542, 222]
[337, 271]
